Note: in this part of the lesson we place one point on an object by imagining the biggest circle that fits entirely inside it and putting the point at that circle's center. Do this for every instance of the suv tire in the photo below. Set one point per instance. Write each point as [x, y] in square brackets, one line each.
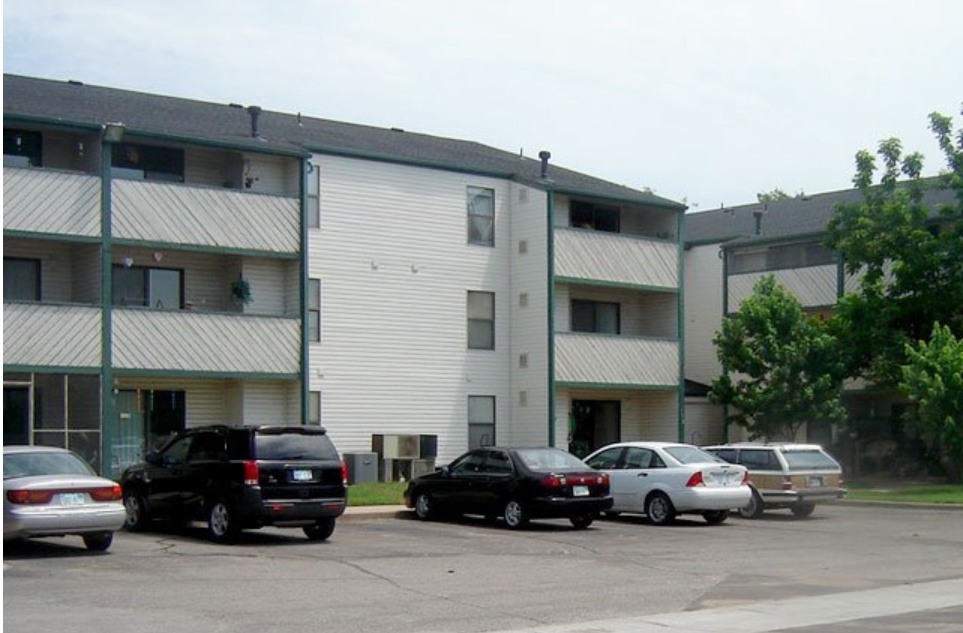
[321, 530]
[221, 524]
[136, 507]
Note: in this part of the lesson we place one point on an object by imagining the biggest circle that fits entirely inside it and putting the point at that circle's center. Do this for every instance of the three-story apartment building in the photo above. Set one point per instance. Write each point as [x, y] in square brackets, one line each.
[169, 263]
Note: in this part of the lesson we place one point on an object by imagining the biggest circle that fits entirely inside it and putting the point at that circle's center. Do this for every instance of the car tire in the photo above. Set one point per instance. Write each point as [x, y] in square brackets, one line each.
[515, 515]
[320, 531]
[221, 524]
[582, 521]
[659, 509]
[99, 542]
[424, 506]
[136, 506]
[802, 509]
[715, 517]
[753, 509]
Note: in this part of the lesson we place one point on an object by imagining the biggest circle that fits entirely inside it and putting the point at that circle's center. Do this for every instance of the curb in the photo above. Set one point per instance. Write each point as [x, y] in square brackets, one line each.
[363, 513]
[949, 507]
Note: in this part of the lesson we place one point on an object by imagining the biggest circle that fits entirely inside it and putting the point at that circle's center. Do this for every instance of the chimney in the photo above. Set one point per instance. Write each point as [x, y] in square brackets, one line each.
[544, 156]
[255, 112]
[758, 215]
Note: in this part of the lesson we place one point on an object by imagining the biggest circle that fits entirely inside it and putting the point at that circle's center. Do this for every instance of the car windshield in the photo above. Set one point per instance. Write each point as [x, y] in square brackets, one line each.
[810, 459]
[692, 455]
[309, 446]
[43, 463]
[549, 460]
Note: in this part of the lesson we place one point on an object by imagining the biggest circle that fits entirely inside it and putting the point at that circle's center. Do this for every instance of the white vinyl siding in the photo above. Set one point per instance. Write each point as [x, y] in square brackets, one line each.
[70, 273]
[703, 312]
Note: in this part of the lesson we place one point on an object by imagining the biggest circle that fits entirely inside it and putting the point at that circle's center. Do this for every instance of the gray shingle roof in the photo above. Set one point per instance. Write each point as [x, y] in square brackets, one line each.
[77, 104]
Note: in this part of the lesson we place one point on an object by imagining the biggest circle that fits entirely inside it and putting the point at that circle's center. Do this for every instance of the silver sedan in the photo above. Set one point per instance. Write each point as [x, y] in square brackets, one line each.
[663, 479]
[53, 492]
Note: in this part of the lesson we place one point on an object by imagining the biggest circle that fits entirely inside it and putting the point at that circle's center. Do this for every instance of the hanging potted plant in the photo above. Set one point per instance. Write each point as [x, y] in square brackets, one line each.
[241, 291]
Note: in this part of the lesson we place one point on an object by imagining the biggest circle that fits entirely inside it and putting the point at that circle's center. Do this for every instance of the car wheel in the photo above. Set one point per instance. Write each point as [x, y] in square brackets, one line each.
[99, 542]
[753, 509]
[221, 527]
[321, 530]
[424, 506]
[515, 515]
[659, 509]
[802, 509]
[137, 518]
[715, 517]
[582, 521]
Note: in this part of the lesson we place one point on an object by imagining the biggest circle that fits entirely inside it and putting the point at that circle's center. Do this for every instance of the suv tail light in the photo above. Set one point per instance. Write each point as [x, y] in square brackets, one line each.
[252, 475]
[344, 473]
[787, 483]
[695, 480]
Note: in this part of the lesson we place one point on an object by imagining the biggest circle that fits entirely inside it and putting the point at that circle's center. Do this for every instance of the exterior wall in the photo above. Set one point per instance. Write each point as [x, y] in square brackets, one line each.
[703, 312]
[42, 335]
[646, 415]
[704, 422]
[396, 267]
[70, 272]
[527, 424]
[642, 313]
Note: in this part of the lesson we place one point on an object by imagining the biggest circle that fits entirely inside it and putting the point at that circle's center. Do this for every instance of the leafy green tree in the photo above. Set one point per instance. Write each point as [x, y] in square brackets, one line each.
[910, 256]
[933, 379]
[782, 368]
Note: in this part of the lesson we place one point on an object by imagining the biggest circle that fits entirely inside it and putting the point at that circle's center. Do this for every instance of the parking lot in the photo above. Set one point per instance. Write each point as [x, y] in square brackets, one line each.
[402, 575]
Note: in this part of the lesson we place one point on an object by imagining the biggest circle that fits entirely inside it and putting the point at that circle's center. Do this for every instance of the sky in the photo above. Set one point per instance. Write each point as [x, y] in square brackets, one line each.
[706, 102]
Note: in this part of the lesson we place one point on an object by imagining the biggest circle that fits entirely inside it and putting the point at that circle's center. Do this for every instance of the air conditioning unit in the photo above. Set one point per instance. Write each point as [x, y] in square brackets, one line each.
[397, 446]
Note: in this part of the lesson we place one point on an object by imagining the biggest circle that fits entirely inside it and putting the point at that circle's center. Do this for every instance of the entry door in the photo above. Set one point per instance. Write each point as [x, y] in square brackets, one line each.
[128, 444]
[16, 415]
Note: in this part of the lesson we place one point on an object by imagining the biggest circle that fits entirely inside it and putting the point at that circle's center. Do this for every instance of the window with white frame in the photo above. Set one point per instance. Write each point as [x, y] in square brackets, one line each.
[481, 320]
[314, 310]
[481, 216]
[481, 421]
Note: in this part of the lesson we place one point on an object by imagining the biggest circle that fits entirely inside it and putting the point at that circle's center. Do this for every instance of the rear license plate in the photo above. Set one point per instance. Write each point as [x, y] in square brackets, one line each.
[815, 482]
[580, 491]
[72, 498]
[301, 475]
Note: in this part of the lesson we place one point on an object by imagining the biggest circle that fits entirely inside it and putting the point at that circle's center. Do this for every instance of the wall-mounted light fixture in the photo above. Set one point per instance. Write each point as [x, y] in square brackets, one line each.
[128, 262]
[113, 132]
[158, 256]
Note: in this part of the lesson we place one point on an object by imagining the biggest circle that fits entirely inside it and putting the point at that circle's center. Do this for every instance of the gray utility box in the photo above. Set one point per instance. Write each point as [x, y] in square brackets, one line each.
[362, 467]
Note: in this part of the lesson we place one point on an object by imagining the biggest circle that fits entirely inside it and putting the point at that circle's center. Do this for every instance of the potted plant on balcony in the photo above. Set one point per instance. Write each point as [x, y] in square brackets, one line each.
[241, 291]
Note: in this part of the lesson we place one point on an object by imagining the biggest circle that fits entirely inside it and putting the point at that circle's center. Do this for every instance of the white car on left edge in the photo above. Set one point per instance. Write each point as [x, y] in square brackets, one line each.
[663, 479]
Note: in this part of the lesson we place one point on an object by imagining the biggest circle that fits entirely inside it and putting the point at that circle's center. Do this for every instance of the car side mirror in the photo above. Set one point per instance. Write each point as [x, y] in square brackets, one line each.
[444, 470]
[154, 459]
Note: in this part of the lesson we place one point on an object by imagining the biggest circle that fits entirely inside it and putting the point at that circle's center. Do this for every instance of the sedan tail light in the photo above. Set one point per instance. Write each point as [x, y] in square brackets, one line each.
[29, 496]
[559, 481]
[35, 497]
[695, 480]
[113, 493]
[252, 474]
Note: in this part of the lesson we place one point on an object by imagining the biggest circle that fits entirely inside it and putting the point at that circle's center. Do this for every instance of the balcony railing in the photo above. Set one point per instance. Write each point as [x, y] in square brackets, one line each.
[598, 256]
[205, 216]
[814, 286]
[51, 201]
[615, 361]
[51, 335]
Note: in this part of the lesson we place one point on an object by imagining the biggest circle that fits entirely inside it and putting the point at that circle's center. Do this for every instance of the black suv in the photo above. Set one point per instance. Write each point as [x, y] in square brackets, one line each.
[237, 477]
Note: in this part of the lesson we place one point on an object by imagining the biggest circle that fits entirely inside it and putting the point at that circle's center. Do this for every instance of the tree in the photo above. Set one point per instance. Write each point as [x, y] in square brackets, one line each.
[910, 256]
[786, 369]
[933, 379]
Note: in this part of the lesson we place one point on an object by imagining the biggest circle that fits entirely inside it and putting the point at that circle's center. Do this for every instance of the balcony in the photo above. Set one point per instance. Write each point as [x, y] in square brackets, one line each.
[195, 342]
[51, 335]
[616, 361]
[51, 201]
[583, 256]
[162, 212]
[813, 286]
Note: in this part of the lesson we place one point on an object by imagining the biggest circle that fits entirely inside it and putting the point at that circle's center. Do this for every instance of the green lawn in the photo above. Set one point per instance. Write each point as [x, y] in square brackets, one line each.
[377, 494]
[913, 493]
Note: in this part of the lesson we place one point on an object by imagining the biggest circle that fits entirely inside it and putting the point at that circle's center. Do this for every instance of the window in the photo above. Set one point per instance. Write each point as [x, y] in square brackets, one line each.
[21, 279]
[26, 145]
[481, 421]
[314, 196]
[595, 316]
[147, 162]
[481, 320]
[481, 216]
[586, 215]
[314, 309]
[155, 288]
[607, 459]
[781, 257]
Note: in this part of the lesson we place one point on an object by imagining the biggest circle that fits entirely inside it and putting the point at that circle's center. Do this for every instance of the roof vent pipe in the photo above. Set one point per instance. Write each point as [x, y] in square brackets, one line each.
[544, 156]
[255, 112]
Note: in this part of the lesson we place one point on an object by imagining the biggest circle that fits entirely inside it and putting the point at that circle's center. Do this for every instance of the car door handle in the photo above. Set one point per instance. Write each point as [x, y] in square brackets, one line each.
[642, 475]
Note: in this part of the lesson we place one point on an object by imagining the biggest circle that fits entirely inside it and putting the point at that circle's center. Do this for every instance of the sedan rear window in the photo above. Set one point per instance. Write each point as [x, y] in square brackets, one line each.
[809, 460]
[692, 455]
[43, 463]
[284, 446]
[548, 460]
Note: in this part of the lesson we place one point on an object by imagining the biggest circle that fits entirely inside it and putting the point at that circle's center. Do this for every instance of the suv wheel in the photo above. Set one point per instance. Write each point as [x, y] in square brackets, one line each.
[321, 530]
[659, 509]
[754, 508]
[136, 520]
[582, 521]
[221, 527]
[802, 509]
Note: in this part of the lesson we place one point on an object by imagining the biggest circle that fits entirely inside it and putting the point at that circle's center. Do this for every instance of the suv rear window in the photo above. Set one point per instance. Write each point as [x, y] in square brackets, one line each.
[809, 460]
[302, 446]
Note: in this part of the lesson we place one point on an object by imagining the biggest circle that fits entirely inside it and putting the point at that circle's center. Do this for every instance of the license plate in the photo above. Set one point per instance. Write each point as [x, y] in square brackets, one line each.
[72, 498]
[815, 482]
[301, 475]
[580, 491]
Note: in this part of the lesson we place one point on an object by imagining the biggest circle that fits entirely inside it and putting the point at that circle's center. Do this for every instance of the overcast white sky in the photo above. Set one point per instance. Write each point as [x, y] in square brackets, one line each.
[704, 101]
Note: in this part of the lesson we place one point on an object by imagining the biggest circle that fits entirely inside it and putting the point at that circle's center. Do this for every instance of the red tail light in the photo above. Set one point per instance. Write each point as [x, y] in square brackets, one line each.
[344, 473]
[106, 494]
[252, 475]
[558, 481]
[29, 496]
[695, 480]
[745, 479]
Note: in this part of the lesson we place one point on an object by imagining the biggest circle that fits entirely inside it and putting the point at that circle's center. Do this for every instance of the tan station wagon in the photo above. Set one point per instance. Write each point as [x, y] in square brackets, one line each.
[794, 476]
